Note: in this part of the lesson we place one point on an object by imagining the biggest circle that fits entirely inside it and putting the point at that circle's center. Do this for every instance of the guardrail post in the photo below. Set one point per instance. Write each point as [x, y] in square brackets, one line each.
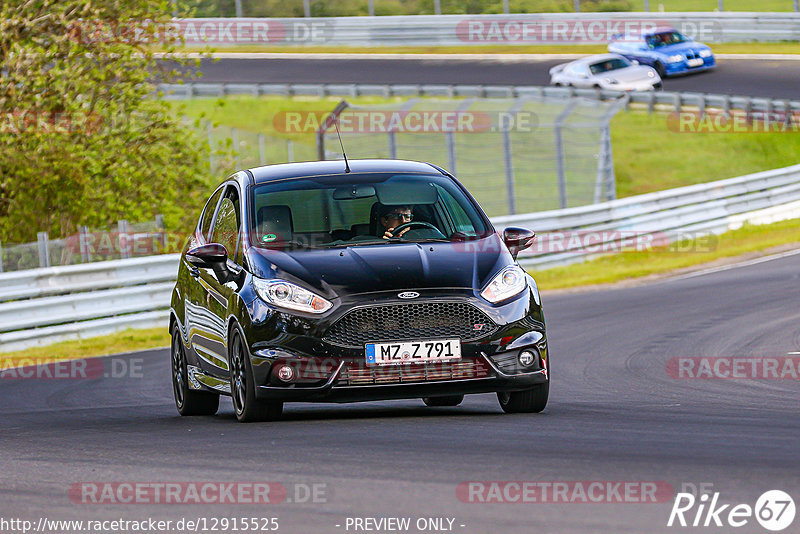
[558, 124]
[647, 5]
[392, 139]
[796, 5]
[1, 257]
[290, 150]
[437, 7]
[506, 8]
[701, 106]
[238, 4]
[162, 231]
[371, 7]
[262, 156]
[83, 243]
[450, 139]
[124, 241]
[721, 5]
[577, 5]
[651, 101]
[307, 8]
[508, 156]
[678, 102]
[44, 249]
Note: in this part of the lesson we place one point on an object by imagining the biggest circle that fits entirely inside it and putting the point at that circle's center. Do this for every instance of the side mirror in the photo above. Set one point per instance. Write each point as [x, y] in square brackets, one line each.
[211, 256]
[517, 239]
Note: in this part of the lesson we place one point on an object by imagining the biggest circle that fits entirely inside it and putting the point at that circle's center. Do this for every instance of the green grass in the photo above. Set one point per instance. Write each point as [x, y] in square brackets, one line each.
[629, 265]
[648, 156]
[721, 48]
[125, 341]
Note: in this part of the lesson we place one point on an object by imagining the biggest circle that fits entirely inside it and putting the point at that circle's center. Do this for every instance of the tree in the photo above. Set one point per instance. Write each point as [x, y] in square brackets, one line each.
[82, 139]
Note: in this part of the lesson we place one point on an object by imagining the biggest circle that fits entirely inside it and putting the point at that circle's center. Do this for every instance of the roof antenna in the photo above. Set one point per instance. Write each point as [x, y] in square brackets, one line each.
[346, 164]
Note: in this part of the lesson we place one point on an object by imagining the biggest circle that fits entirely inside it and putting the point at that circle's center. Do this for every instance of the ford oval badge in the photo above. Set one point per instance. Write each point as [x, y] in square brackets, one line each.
[408, 295]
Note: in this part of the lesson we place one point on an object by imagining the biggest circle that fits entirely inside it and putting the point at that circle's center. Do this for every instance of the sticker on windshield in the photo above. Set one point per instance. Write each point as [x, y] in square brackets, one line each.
[269, 237]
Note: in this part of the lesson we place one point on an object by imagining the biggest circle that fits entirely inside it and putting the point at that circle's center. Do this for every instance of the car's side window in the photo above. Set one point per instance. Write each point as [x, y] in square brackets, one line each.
[227, 224]
[208, 213]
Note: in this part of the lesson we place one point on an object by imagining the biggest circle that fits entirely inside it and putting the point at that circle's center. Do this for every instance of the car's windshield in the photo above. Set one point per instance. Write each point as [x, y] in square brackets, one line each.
[665, 38]
[361, 209]
[609, 65]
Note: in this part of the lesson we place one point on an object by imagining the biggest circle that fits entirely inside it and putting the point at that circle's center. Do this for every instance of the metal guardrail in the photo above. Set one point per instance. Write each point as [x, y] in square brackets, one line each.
[653, 100]
[460, 30]
[41, 306]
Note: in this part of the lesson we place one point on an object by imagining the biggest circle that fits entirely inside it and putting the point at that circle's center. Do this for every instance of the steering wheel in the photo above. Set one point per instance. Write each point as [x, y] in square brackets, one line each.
[412, 223]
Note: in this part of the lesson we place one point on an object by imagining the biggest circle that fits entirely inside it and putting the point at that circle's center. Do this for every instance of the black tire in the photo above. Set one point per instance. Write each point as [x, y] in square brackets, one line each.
[531, 400]
[247, 407]
[450, 400]
[662, 72]
[188, 401]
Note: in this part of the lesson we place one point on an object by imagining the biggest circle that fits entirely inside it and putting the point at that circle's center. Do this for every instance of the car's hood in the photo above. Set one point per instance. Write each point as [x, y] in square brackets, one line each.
[681, 48]
[385, 267]
[634, 73]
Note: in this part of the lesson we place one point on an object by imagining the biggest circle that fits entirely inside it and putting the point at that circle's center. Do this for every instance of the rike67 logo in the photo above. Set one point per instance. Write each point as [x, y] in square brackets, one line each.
[774, 510]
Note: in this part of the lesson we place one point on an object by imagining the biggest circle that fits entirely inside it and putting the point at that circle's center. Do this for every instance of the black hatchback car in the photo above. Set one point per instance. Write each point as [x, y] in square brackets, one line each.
[304, 282]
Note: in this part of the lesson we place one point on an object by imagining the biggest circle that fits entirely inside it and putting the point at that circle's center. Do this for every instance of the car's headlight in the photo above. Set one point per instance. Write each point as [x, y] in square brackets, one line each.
[288, 295]
[611, 81]
[705, 53]
[675, 58]
[651, 74]
[507, 283]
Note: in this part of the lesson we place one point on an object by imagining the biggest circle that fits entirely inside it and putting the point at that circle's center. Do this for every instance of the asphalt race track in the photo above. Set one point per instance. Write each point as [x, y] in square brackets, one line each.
[743, 77]
[615, 415]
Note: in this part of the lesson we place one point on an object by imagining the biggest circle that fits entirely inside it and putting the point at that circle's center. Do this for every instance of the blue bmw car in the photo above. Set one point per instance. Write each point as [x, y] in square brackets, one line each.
[667, 50]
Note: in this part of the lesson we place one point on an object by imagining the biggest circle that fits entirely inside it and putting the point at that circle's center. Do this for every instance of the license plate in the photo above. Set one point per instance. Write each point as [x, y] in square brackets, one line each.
[696, 62]
[437, 350]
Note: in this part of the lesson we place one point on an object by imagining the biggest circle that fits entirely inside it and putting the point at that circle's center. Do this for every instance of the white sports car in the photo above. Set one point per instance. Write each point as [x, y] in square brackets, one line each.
[606, 71]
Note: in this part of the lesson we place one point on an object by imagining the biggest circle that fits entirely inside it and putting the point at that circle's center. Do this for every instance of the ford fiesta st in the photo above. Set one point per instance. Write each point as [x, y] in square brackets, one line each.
[313, 282]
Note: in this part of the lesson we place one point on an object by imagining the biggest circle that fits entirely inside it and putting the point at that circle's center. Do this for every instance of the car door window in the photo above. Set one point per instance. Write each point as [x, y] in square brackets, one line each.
[227, 224]
[208, 213]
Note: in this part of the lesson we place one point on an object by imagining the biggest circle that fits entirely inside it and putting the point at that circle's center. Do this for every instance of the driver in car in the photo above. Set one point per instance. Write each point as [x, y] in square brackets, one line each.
[393, 216]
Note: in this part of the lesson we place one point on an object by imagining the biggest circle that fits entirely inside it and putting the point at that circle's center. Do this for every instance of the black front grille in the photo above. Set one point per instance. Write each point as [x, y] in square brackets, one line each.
[400, 374]
[396, 322]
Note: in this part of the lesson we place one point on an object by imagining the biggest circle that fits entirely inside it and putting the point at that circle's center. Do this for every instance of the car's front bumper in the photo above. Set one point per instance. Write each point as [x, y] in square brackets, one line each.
[325, 372]
[682, 67]
[333, 391]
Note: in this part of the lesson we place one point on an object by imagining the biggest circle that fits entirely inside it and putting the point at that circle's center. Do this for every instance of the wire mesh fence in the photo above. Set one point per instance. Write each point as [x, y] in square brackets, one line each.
[514, 155]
